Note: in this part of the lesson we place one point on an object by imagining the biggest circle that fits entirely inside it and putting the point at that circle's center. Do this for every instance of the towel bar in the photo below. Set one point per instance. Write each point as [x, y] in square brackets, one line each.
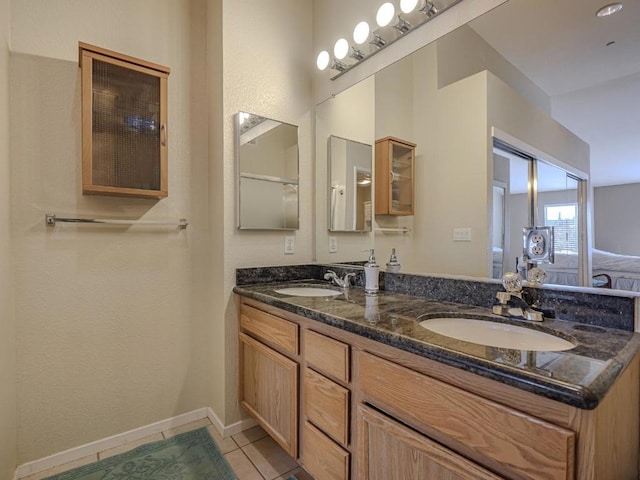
[51, 220]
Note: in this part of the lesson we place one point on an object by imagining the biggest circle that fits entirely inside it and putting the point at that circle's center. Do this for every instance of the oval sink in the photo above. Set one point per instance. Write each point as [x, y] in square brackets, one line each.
[308, 292]
[496, 334]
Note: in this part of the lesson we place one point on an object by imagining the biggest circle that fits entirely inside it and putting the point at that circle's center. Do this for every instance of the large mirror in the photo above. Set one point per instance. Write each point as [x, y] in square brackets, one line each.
[350, 175]
[267, 173]
[550, 78]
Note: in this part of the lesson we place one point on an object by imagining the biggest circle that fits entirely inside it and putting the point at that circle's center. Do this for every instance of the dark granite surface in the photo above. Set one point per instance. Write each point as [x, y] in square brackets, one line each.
[579, 377]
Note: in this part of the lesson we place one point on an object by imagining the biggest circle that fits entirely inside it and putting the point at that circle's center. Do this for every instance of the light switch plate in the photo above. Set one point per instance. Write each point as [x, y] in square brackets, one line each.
[333, 244]
[462, 234]
[289, 245]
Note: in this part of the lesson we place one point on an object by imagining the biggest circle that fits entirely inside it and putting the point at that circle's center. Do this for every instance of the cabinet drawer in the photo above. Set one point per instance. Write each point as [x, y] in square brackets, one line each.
[323, 458]
[326, 404]
[327, 355]
[491, 433]
[281, 333]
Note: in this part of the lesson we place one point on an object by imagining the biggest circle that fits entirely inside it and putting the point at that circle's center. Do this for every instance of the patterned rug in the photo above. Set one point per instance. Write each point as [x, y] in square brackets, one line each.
[188, 456]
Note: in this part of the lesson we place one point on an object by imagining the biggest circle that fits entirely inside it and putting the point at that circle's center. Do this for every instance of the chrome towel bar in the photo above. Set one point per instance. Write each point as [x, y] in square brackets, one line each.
[51, 220]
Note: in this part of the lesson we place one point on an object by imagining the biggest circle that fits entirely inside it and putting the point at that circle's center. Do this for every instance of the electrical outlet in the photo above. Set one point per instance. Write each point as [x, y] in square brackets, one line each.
[538, 244]
[333, 244]
[289, 245]
[462, 234]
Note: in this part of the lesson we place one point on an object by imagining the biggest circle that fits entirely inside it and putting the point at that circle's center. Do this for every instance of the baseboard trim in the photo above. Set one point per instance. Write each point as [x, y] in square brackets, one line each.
[93, 448]
[232, 429]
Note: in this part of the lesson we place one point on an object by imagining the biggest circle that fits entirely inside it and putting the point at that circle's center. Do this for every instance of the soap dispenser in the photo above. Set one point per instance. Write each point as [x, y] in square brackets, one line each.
[371, 275]
[393, 266]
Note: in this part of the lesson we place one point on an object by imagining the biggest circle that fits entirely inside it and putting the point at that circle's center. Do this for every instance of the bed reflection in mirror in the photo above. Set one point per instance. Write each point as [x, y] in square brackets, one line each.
[349, 167]
[267, 166]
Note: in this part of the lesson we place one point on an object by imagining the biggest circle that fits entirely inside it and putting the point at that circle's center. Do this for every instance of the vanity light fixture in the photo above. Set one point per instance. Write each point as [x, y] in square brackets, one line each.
[322, 62]
[356, 54]
[361, 33]
[424, 6]
[378, 41]
[609, 9]
[386, 16]
[341, 48]
[338, 65]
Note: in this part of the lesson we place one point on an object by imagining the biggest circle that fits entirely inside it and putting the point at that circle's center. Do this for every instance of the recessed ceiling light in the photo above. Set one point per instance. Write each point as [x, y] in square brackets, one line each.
[609, 9]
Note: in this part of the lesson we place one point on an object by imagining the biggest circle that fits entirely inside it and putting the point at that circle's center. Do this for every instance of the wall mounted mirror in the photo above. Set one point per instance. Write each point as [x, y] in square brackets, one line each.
[267, 173]
[350, 175]
[485, 75]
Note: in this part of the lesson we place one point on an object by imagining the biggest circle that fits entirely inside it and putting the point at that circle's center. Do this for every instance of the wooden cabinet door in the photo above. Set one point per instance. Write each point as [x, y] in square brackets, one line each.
[389, 450]
[269, 391]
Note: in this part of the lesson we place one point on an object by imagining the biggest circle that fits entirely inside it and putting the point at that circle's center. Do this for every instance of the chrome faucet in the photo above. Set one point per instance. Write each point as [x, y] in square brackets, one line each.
[341, 282]
[511, 303]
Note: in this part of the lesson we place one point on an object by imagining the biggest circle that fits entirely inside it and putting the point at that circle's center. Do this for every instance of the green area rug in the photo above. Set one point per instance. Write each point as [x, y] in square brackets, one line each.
[188, 456]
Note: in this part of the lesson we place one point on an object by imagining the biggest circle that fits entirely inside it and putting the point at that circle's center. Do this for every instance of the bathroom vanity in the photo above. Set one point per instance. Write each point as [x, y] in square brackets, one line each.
[354, 387]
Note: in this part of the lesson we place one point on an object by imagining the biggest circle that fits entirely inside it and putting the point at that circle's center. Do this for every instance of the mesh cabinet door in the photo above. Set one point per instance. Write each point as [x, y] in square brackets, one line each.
[124, 121]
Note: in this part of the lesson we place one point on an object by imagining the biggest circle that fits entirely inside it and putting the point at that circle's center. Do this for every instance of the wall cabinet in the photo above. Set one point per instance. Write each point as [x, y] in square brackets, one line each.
[394, 176]
[124, 125]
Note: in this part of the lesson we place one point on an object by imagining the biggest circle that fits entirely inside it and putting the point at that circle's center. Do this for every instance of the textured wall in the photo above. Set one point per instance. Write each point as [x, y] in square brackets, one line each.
[267, 71]
[113, 323]
[8, 438]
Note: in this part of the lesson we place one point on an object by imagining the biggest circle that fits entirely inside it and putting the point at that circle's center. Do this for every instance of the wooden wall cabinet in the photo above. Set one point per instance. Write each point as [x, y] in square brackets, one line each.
[124, 125]
[394, 176]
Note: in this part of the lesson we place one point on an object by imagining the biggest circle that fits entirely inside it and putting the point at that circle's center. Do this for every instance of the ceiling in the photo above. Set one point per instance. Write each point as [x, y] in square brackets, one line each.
[594, 87]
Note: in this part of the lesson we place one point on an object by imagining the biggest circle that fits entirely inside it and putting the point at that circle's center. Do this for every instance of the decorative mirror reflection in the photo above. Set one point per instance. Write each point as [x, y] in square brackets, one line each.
[349, 173]
[267, 173]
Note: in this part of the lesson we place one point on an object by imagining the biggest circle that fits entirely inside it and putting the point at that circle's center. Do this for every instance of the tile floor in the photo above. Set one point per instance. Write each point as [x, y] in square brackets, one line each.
[252, 454]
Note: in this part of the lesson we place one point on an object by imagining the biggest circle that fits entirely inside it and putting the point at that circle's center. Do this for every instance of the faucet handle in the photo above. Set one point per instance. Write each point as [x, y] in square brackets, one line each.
[512, 282]
[503, 297]
[329, 275]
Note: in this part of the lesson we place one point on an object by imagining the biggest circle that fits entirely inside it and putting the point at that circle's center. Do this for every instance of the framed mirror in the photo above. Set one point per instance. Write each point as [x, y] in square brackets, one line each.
[267, 173]
[350, 175]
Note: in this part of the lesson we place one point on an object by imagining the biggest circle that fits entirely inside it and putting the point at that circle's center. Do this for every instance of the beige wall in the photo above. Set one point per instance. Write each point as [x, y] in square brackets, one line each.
[114, 324]
[267, 61]
[8, 436]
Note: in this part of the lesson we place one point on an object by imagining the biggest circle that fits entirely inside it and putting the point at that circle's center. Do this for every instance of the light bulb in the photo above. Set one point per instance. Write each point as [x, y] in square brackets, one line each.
[341, 48]
[408, 6]
[385, 14]
[322, 61]
[361, 33]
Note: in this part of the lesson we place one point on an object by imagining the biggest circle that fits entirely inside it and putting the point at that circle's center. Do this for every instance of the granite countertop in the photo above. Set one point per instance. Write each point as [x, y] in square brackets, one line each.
[579, 377]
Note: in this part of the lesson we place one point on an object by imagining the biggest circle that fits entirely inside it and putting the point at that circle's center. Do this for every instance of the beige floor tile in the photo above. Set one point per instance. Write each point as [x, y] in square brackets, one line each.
[225, 445]
[299, 472]
[269, 458]
[129, 446]
[242, 466]
[249, 435]
[187, 427]
[62, 468]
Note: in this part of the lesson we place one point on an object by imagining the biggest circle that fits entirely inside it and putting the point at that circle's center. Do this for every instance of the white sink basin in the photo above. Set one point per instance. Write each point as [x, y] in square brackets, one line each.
[308, 292]
[496, 334]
